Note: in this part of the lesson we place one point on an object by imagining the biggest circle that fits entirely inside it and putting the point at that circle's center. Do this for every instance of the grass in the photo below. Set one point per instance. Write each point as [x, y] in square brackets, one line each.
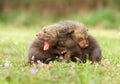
[13, 47]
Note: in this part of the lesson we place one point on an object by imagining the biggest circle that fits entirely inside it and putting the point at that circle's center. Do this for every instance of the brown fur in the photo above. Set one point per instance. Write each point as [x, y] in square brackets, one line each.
[88, 44]
[36, 50]
[78, 32]
[93, 51]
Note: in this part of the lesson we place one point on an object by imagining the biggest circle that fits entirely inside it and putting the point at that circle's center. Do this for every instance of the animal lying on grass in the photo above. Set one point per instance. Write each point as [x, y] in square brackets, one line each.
[45, 45]
[74, 41]
[92, 51]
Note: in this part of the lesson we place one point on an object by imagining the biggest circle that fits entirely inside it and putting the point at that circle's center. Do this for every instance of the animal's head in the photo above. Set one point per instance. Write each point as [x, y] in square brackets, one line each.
[49, 38]
[81, 37]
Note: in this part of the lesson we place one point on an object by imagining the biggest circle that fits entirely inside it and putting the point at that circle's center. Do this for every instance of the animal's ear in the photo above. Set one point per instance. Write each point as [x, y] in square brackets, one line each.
[65, 32]
[70, 32]
[38, 35]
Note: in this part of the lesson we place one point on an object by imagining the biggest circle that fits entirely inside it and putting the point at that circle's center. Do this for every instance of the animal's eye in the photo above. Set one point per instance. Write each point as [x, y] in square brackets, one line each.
[80, 39]
[45, 31]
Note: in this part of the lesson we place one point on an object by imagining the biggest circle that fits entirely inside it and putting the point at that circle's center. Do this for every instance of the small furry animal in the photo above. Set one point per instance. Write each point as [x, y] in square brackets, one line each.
[47, 45]
[89, 47]
[93, 51]
[79, 32]
[37, 51]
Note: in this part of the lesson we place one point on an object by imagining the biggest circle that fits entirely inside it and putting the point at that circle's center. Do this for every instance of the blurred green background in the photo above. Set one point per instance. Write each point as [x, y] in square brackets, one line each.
[93, 13]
